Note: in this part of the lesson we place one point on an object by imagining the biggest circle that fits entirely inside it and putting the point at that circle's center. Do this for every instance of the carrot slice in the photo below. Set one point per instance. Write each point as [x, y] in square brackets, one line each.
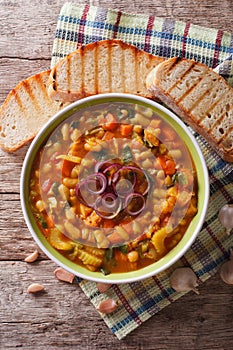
[162, 161]
[168, 165]
[170, 168]
[67, 166]
[50, 221]
[110, 123]
[108, 224]
[126, 129]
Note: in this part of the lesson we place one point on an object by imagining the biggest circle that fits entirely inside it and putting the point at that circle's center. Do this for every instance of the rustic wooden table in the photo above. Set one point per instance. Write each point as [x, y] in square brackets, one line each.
[63, 318]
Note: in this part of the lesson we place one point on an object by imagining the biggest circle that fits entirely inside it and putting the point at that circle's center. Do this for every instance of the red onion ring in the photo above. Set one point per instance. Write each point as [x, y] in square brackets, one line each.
[143, 173]
[107, 214]
[103, 191]
[113, 167]
[85, 193]
[95, 179]
[110, 204]
[124, 190]
[101, 165]
[129, 198]
[80, 189]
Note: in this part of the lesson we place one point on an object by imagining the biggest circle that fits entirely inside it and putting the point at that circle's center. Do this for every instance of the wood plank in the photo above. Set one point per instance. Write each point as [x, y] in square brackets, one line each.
[28, 26]
[62, 317]
[69, 319]
[30, 40]
[13, 70]
[24, 57]
[11, 165]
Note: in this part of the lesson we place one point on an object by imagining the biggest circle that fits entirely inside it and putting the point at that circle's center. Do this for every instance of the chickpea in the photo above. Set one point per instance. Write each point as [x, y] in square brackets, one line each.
[137, 128]
[70, 182]
[87, 146]
[160, 175]
[40, 205]
[147, 164]
[175, 153]
[133, 256]
[168, 181]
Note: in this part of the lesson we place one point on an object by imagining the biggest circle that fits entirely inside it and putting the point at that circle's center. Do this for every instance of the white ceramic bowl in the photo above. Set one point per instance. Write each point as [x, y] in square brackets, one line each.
[189, 236]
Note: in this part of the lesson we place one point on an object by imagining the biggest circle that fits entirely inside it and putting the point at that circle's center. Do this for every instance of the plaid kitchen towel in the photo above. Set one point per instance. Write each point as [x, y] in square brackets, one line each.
[78, 25]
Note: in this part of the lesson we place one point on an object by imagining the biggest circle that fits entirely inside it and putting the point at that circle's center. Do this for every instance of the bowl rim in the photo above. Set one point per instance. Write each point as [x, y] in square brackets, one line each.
[116, 278]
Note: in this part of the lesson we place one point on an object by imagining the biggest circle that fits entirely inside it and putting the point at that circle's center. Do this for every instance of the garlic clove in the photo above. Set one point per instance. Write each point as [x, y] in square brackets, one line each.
[63, 275]
[102, 287]
[32, 257]
[225, 216]
[183, 279]
[107, 306]
[35, 288]
[226, 270]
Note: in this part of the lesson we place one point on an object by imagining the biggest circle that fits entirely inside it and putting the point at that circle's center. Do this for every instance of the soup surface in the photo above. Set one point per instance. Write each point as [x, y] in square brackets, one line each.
[113, 188]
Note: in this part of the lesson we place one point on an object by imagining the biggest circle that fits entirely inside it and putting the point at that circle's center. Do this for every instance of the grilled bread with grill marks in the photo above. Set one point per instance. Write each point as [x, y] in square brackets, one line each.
[102, 67]
[26, 109]
[200, 96]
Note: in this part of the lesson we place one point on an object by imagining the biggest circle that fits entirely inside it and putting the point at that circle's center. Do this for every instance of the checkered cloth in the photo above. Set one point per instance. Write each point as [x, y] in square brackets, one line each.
[78, 25]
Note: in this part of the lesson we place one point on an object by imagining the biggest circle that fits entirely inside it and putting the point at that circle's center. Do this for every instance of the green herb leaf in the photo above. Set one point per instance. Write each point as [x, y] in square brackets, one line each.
[126, 155]
[108, 254]
[74, 124]
[124, 249]
[181, 178]
[42, 221]
[54, 188]
[105, 271]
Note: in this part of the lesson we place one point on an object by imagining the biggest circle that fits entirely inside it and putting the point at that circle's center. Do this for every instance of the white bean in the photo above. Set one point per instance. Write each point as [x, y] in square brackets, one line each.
[56, 147]
[147, 163]
[140, 119]
[159, 193]
[75, 171]
[70, 214]
[133, 256]
[145, 111]
[46, 167]
[65, 131]
[75, 135]
[64, 192]
[160, 175]
[122, 232]
[73, 231]
[175, 153]
[69, 182]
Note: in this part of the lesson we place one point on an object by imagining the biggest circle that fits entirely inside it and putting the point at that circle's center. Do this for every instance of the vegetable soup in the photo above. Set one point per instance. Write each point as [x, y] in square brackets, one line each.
[114, 187]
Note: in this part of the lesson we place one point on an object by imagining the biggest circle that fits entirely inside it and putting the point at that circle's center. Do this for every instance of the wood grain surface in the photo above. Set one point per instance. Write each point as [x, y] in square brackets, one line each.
[62, 317]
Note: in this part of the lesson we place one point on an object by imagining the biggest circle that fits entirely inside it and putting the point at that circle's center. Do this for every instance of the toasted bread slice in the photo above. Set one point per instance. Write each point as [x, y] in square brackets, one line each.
[198, 95]
[101, 67]
[26, 109]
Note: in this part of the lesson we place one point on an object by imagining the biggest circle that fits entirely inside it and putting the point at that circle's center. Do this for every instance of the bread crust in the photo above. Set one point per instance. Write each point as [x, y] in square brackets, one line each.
[22, 114]
[24, 111]
[64, 67]
[156, 87]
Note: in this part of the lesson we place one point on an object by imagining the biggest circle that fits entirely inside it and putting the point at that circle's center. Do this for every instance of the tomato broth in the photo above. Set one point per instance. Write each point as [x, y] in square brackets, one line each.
[114, 187]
